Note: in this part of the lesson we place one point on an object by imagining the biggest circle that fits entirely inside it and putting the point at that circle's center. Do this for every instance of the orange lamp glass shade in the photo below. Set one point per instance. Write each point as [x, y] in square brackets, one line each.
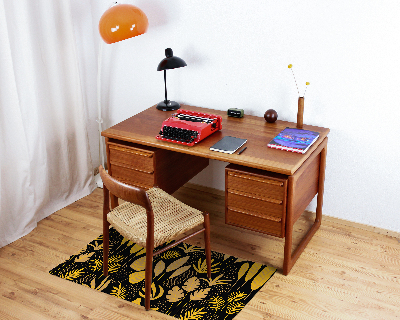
[122, 21]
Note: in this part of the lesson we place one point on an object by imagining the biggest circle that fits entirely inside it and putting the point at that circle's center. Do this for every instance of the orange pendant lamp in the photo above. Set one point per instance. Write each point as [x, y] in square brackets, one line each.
[122, 21]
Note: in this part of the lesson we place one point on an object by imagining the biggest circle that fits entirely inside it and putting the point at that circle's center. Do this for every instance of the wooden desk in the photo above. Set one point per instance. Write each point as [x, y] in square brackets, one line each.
[137, 157]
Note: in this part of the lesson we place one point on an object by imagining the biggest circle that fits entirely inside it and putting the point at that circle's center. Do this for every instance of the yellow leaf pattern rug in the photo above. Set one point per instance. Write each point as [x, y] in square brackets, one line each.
[180, 285]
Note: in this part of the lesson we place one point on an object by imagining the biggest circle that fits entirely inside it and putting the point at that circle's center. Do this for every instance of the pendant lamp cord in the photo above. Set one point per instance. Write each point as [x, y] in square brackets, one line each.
[99, 119]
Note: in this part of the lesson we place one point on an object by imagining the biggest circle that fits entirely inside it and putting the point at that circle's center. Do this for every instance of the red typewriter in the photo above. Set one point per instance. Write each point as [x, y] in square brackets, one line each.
[189, 127]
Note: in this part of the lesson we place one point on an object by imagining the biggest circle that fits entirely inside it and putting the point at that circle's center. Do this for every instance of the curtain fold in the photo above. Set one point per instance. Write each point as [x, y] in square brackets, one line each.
[45, 159]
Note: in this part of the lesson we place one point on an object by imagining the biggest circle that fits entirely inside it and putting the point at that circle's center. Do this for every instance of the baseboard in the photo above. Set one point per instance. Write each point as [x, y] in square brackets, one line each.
[97, 178]
[361, 226]
[344, 222]
[98, 181]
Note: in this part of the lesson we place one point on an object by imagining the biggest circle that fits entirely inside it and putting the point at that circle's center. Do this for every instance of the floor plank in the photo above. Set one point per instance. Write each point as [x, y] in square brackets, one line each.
[346, 272]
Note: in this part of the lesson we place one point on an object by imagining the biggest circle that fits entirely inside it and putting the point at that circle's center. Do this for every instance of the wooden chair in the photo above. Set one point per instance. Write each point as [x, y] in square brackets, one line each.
[149, 218]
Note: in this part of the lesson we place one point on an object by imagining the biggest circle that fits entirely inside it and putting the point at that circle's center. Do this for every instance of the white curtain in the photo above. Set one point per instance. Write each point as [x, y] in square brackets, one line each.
[45, 161]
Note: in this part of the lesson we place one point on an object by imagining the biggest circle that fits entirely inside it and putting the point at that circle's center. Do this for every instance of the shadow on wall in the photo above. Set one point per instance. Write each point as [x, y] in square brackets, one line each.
[157, 14]
[212, 176]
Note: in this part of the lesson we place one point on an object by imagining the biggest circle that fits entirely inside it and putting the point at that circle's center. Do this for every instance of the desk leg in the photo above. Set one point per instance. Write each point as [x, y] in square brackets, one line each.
[289, 259]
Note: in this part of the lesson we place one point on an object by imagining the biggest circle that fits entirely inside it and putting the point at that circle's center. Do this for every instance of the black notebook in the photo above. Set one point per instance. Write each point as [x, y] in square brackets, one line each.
[228, 144]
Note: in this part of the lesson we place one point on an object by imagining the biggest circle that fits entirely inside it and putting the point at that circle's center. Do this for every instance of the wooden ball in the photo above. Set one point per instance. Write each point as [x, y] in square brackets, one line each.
[270, 115]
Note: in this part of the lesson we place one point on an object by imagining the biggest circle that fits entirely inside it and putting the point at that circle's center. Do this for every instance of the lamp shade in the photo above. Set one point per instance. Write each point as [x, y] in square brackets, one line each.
[122, 21]
[170, 61]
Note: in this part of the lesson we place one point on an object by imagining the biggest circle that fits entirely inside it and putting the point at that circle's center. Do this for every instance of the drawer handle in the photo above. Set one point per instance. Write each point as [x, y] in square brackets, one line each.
[255, 215]
[257, 198]
[140, 153]
[275, 183]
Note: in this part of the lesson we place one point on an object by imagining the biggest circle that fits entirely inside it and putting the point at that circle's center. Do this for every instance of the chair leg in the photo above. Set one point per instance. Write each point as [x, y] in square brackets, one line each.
[207, 242]
[106, 226]
[148, 275]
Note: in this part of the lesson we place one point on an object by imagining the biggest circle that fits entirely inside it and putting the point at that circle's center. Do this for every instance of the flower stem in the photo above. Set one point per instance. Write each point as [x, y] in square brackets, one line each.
[295, 81]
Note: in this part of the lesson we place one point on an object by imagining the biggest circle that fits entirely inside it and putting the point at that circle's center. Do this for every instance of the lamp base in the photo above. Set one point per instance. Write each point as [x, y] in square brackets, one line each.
[168, 105]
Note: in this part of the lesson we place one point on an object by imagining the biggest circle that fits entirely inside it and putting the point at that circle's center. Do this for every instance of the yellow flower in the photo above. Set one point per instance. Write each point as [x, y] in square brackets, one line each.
[290, 66]
[307, 83]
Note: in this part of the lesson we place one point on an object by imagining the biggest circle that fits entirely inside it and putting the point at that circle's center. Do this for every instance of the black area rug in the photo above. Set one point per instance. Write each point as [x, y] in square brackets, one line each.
[180, 285]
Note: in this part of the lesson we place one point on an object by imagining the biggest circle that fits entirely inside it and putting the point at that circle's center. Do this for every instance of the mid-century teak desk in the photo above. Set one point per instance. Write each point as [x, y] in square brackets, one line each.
[266, 190]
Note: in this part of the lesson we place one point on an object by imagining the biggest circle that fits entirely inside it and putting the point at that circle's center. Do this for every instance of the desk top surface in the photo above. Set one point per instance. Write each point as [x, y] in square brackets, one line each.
[144, 126]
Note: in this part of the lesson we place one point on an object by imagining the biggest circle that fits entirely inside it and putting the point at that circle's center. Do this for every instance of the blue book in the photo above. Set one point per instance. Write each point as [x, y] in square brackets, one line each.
[294, 140]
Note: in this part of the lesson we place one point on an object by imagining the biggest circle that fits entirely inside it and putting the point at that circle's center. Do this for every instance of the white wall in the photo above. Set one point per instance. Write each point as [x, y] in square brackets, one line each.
[237, 54]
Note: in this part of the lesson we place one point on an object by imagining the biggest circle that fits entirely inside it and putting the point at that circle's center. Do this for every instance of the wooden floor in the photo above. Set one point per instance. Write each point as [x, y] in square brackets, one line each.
[344, 273]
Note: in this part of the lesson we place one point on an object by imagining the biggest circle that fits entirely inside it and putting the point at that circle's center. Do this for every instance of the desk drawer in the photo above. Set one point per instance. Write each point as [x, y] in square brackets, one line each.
[130, 157]
[250, 220]
[133, 177]
[268, 208]
[260, 185]
[255, 199]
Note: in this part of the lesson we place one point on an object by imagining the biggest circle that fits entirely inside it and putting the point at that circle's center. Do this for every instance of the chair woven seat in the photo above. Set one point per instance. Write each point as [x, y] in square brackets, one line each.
[171, 218]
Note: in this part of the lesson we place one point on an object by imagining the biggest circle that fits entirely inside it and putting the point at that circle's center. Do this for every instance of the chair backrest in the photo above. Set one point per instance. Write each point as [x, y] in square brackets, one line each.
[125, 192]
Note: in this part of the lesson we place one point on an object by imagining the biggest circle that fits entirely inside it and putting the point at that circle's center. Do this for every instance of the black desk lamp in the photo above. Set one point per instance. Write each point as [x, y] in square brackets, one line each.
[169, 62]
